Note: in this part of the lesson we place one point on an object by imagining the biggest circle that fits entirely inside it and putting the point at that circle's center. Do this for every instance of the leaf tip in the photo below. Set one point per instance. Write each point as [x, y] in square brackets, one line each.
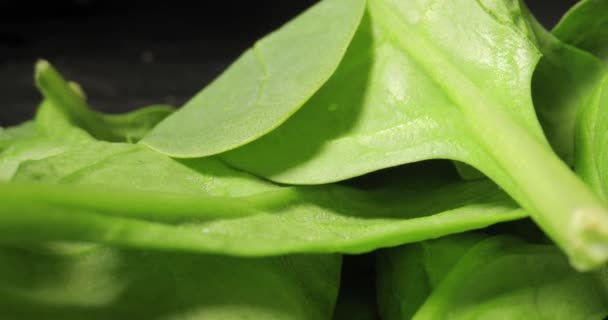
[41, 66]
[77, 89]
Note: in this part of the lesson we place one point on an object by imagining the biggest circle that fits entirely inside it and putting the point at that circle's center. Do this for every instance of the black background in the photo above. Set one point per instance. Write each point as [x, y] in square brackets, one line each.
[128, 54]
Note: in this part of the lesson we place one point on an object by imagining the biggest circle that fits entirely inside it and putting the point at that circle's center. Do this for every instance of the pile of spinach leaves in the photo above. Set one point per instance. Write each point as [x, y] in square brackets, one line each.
[393, 159]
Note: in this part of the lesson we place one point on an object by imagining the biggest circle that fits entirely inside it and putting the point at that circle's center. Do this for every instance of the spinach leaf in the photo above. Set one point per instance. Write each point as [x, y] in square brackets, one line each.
[503, 277]
[383, 106]
[406, 276]
[9, 135]
[564, 78]
[413, 87]
[592, 141]
[29, 141]
[265, 86]
[69, 102]
[84, 281]
[585, 26]
[467, 172]
[128, 195]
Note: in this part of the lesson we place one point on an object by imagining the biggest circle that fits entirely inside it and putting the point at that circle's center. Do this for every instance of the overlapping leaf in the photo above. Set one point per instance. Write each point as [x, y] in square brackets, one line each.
[70, 101]
[265, 86]
[412, 87]
[468, 277]
[127, 195]
[585, 26]
[380, 83]
[82, 281]
[562, 81]
[592, 141]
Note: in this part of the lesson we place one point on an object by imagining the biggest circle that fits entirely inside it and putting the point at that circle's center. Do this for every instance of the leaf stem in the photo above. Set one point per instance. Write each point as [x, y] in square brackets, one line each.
[68, 99]
[154, 206]
[513, 150]
[560, 203]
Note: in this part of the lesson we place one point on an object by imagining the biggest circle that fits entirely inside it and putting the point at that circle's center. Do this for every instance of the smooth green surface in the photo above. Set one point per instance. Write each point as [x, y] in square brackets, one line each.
[265, 86]
[592, 141]
[127, 195]
[69, 102]
[406, 90]
[563, 79]
[586, 26]
[407, 275]
[111, 229]
[467, 172]
[476, 108]
[413, 87]
[497, 278]
[11, 134]
[57, 281]
[31, 141]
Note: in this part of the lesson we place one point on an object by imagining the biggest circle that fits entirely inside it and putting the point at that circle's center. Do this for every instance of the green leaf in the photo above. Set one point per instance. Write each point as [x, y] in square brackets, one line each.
[127, 195]
[467, 172]
[388, 103]
[412, 87]
[9, 135]
[67, 107]
[406, 276]
[564, 78]
[504, 278]
[29, 141]
[83, 281]
[591, 160]
[265, 86]
[585, 26]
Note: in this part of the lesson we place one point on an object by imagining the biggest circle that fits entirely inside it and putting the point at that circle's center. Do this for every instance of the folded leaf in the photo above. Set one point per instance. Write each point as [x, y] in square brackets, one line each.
[59, 281]
[127, 195]
[412, 87]
[591, 160]
[265, 86]
[585, 26]
[564, 78]
[68, 102]
[497, 278]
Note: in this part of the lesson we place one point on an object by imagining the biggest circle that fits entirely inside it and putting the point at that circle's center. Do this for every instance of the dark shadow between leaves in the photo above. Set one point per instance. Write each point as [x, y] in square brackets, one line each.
[357, 297]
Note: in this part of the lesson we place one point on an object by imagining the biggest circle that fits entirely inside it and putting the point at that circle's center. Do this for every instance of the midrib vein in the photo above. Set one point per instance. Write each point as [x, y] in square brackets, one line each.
[471, 101]
[506, 142]
[460, 89]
